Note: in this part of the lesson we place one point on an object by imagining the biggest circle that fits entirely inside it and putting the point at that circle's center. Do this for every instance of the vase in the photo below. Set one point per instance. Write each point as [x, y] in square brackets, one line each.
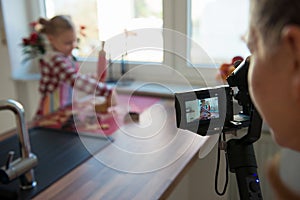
[32, 66]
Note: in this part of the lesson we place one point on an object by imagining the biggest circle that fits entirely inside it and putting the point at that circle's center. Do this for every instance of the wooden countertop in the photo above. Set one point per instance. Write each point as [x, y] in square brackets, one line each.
[145, 161]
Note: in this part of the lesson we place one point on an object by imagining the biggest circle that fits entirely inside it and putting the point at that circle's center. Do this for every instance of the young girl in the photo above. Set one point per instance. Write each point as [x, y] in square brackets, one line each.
[59, 72]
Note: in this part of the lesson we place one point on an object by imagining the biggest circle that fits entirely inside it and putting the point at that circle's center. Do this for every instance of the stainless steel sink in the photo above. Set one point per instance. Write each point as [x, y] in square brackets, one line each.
[58, 152]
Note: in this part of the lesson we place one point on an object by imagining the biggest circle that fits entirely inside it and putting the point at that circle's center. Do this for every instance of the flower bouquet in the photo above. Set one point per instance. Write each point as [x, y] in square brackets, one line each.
[34, 44]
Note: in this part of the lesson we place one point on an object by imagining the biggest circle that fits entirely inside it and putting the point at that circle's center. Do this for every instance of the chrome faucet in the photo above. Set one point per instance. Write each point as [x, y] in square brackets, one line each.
[22, 167]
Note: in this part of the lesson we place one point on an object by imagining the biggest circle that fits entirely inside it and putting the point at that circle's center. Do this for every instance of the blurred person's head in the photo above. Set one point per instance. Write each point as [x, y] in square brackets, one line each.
[60, 32]
[274, 73]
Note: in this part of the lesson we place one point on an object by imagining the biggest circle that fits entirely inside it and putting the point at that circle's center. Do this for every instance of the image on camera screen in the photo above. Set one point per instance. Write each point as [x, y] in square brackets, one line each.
[202, 109]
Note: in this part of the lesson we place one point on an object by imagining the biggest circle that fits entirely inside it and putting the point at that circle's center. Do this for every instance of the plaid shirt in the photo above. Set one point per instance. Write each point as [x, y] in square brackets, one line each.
[59, 75]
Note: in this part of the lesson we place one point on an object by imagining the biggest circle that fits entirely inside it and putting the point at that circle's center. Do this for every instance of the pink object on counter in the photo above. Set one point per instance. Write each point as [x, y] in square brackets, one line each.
[84, 112]
[101, 66]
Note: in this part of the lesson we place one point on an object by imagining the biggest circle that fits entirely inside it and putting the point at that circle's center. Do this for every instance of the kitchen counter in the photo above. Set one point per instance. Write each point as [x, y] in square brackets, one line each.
[146, 160]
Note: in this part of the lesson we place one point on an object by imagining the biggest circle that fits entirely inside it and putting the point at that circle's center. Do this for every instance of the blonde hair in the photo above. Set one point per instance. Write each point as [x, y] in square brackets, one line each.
[56, 25]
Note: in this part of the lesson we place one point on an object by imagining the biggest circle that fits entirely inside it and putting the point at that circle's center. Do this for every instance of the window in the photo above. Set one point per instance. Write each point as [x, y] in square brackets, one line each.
[214, 25]
[218, 27]
[111, 21]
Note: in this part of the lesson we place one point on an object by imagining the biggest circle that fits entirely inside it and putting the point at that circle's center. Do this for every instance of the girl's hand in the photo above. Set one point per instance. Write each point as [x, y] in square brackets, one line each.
[111, 99]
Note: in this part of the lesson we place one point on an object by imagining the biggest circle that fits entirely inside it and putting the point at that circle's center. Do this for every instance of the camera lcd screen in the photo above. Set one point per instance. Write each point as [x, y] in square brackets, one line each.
[202, 109]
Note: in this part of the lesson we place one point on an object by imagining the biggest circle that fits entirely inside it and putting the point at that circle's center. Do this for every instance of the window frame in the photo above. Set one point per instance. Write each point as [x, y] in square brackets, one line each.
[175, 18]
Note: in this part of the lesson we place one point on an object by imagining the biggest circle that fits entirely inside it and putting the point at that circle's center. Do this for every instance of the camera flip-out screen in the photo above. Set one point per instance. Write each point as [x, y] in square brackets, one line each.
[204, 111]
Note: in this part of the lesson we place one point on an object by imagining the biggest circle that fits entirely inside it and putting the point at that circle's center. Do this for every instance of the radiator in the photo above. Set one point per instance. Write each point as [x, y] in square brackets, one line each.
[265, 148]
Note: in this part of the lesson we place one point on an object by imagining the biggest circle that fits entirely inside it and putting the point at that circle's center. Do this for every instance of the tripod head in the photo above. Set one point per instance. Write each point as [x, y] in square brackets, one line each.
[238, 79]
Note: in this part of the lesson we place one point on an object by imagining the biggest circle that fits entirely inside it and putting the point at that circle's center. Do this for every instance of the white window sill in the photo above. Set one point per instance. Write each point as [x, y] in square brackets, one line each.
[139, 87]
[160, 89]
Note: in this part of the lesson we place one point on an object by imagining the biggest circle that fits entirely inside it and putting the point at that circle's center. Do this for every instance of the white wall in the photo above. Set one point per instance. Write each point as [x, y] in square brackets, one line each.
[15, 17]
[7, 87]
[198, 183]
[15, 20]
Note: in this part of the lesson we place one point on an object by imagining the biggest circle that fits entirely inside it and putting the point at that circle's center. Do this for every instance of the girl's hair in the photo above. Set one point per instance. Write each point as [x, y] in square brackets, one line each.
[56, 24]
[271, 16]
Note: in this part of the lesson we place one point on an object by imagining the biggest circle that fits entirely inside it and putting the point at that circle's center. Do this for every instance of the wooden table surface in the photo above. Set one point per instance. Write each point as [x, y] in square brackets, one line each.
[146, 160]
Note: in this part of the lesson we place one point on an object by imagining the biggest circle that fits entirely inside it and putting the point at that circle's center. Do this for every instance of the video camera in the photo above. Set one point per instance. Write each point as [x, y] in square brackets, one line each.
[209, 110]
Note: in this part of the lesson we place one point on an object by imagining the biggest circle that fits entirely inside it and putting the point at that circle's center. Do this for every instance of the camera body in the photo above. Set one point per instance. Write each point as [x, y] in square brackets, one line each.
[209, 110]
[205, 111]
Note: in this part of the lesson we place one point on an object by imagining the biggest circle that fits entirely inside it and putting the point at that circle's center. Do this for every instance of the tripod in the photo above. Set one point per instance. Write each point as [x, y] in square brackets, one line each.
[242, 162]
[240, 152]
